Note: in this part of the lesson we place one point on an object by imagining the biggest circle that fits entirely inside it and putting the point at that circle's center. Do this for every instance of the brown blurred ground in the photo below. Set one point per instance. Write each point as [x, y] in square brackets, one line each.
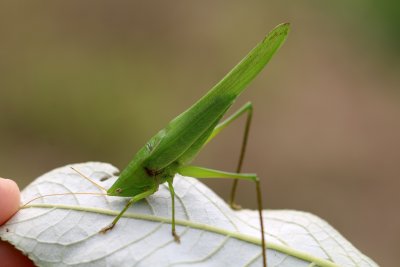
[92, 81]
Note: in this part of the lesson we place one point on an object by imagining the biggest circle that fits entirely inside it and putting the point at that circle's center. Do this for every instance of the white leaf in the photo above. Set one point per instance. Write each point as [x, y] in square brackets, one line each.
[63, 230]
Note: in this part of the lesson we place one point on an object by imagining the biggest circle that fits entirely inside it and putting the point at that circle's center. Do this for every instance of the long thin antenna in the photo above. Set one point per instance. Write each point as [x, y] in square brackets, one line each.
[90, 180]
[63, 194]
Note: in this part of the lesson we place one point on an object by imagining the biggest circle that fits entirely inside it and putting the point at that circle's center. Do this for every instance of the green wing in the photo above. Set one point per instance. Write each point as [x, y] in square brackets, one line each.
[184, 136]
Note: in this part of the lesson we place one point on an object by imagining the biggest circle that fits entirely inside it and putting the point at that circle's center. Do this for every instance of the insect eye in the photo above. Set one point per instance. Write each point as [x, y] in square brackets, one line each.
[118, 190]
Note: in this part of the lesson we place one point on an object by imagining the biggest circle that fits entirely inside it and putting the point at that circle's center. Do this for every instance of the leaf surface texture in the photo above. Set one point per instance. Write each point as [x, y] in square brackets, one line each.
[63, 230]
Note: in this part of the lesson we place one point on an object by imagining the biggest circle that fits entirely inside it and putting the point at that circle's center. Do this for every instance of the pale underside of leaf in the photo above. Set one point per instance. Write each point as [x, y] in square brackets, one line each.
[63, 230]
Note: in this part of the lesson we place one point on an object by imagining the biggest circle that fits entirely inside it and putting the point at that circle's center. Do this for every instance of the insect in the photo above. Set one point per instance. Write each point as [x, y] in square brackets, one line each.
[172, 149]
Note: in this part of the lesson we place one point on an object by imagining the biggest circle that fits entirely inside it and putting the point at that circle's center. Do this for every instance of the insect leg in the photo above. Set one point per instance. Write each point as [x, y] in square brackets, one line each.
[200, 172]
[248, 107]
[130, 202]
[172, 191]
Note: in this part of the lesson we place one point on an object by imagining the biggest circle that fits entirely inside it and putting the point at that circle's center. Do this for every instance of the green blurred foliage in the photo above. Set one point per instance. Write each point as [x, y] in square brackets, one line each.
[93, 80]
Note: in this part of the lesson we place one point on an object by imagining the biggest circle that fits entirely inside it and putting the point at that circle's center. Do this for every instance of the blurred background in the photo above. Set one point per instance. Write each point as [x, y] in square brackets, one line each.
[94, 80]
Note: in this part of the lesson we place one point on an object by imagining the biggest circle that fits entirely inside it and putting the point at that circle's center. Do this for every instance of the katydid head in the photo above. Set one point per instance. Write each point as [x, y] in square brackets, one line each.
[142, 174]
[131, 182]
[137, 179]
[134, 179]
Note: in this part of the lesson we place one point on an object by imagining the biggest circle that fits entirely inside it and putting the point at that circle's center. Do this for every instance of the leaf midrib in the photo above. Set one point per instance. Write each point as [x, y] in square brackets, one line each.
[247, 238]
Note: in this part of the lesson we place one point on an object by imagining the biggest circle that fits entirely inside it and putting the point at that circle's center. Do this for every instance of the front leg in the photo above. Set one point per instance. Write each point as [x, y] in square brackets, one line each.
[114, 222]
[130, 202]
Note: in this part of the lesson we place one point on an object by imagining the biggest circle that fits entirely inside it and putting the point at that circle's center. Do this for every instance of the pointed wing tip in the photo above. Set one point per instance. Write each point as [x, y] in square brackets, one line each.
[278, 34]
[284, 26]
[282, 29]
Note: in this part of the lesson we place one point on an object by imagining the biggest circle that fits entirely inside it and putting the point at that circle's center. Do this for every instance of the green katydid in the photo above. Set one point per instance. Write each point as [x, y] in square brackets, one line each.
[171, 150]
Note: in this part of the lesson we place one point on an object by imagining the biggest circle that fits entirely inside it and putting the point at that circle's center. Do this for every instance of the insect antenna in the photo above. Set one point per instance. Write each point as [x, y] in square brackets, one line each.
[73, 193]
[63, 194]
[90, 180]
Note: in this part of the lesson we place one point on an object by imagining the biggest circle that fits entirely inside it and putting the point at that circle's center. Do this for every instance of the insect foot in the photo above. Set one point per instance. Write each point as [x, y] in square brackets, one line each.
[106, 229]
[176, 237]
[235, 206]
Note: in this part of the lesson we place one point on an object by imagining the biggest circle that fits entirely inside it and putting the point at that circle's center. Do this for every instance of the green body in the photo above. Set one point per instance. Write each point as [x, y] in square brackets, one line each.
[177, 144]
